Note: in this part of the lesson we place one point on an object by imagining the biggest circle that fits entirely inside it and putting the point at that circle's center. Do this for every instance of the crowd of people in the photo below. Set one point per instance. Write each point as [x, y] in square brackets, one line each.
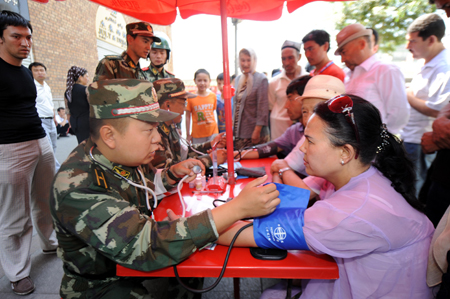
[373, 153]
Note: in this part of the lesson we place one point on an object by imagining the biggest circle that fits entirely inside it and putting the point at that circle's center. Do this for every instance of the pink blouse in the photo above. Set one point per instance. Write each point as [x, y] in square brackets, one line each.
[378, 240]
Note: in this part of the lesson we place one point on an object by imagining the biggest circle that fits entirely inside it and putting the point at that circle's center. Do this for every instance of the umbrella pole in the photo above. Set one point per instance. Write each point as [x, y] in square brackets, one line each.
[227, 93]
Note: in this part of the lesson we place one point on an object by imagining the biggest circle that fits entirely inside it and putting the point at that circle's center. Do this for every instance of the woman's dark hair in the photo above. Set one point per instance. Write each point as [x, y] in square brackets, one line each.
[391, 159]
[10, 18]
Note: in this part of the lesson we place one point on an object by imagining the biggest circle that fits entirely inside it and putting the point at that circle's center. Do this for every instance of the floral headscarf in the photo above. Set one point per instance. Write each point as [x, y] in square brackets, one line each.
[72, 76]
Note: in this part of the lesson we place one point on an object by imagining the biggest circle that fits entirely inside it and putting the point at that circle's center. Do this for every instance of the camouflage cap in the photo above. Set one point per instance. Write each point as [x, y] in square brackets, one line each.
[117, 98]
[142, 28]
[171, 88]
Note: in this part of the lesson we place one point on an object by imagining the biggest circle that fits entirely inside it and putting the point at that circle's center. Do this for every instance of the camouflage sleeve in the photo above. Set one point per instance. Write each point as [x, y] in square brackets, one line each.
[117, 230]
[206, 160]
[203, 148]
[105, 70]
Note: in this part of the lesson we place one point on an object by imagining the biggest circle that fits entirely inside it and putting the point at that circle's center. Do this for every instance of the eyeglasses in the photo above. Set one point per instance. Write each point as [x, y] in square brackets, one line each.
[344, 104]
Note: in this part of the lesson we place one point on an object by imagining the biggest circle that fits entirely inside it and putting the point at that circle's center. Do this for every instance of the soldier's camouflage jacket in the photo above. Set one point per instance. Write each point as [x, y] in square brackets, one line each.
[118, 67]
[100, 221]
[175, 152]
[152, 73]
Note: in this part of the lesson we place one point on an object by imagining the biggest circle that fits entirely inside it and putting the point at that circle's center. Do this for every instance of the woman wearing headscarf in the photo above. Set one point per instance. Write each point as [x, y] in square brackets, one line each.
[77, 105]
[251, 105]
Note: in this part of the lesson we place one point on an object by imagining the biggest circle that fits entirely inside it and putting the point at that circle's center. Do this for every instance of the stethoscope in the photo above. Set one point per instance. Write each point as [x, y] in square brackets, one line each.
[196, 169]
[147, 200]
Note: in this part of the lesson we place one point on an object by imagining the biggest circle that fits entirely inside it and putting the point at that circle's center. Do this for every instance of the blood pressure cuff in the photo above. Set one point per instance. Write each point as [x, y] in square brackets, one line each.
[254, 172]
[283, 229]
[267, 149]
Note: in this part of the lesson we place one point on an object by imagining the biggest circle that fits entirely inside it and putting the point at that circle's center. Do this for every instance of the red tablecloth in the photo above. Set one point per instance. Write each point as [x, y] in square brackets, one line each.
[208, 263]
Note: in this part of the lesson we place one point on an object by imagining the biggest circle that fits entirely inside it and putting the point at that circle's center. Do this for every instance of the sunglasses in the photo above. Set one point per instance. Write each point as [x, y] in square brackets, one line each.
[344, 104]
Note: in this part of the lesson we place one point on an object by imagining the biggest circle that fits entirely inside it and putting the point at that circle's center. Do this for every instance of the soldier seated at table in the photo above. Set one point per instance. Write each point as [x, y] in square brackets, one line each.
[98, 198]
[172, 96]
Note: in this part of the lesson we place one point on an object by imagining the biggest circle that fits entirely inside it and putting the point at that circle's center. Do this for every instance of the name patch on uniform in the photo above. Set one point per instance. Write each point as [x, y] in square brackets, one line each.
[122, 172]
[100, 178]
[165, 128]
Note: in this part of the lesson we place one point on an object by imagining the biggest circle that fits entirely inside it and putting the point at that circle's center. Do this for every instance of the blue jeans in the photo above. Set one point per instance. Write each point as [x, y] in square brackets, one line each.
[421, 162]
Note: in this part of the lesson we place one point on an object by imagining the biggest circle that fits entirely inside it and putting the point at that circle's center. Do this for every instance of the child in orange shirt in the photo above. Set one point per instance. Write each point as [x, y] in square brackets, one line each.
[202, 108]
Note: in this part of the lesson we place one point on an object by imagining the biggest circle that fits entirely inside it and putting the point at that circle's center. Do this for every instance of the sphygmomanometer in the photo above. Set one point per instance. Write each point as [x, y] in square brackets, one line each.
[282, 229]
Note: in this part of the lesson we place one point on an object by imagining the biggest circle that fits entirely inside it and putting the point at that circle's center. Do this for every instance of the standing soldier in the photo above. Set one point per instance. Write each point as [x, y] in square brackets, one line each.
[139, 40]
[173, 97]
[159, 56]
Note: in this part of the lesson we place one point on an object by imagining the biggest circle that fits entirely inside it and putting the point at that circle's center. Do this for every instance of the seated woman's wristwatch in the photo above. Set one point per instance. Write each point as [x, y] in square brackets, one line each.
[280, 172]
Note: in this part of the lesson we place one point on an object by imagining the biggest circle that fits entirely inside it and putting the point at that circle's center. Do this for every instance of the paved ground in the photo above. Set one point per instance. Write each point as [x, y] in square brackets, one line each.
[46, 270]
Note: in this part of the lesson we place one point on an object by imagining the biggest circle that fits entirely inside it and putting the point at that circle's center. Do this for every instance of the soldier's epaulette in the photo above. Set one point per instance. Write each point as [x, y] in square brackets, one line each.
[170, 73]
[145, 68]
[99, 181]
[113, 57]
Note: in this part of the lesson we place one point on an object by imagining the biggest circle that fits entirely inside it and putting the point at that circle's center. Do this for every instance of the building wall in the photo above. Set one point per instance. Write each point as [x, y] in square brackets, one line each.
[64, 34]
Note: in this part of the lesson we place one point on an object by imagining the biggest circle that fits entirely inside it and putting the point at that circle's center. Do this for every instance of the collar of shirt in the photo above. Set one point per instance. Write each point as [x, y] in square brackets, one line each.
[129, 61]
[124, 171]
[155, 70]
[297, 74]
[164, 128]
[443, 55]
[368, 63]
[38, 84]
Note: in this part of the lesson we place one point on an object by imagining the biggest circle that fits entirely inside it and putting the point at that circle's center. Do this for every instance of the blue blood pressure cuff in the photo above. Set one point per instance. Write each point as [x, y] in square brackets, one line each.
[283, 229]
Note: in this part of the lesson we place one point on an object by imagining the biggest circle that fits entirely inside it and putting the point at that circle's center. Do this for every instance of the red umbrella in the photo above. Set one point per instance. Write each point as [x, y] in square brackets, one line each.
[164, 12]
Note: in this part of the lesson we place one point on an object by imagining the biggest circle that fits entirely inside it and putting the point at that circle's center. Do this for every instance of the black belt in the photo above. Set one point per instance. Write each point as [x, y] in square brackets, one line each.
[50, 117]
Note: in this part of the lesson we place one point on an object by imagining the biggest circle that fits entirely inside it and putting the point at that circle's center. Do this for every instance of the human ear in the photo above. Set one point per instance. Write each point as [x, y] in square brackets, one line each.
[348, 152]
[107, 135]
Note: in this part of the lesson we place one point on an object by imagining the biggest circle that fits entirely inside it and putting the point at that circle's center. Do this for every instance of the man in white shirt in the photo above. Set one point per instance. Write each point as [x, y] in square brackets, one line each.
[62, 123]
[429, 91]
[44, 104]
[380, 83]
[279, 119]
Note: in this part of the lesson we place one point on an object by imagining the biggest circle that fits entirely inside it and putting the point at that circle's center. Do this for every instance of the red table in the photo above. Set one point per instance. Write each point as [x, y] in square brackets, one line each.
[208, 263]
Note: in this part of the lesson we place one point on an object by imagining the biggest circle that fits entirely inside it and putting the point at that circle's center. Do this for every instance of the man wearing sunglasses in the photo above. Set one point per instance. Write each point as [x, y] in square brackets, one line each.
[429, 90]
[375, 81]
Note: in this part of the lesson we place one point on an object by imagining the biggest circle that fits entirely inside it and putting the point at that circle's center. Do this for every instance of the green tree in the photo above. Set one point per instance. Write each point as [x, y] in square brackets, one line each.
[390, 18]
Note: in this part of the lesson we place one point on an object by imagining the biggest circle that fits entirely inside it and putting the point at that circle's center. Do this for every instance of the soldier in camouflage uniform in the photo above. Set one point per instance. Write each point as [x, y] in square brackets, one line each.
[98, 202]
[159, 55]
[139, 40]
[173, 97]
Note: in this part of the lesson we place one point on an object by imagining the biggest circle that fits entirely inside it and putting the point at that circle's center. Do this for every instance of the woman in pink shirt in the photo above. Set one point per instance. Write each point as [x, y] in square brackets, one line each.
[367, 218]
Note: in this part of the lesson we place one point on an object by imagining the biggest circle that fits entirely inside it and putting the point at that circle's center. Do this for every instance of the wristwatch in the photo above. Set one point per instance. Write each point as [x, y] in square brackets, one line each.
[280, 172]
[172, 176]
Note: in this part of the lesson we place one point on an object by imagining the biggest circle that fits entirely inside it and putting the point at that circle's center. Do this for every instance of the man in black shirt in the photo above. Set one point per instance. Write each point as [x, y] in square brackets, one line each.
[27, 161]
